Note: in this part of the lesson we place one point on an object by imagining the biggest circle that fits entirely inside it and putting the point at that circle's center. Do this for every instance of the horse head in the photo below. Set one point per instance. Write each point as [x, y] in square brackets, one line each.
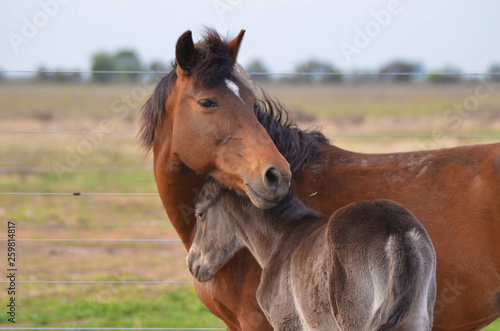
[201, 116]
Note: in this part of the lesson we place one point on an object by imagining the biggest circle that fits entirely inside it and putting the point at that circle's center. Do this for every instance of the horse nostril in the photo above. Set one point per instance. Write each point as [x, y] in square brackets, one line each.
[272, 179]
[197, 272]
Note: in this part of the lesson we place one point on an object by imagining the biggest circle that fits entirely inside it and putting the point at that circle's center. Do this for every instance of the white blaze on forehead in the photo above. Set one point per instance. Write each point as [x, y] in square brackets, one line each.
[233, 88]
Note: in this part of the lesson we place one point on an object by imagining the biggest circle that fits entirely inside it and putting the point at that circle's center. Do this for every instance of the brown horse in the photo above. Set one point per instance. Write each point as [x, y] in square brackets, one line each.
[454, 192]
[370, 266]
[200, 121]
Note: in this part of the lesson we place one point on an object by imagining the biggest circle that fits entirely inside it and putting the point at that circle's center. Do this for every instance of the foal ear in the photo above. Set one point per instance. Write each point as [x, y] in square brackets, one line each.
[234, 45]
[185, 53]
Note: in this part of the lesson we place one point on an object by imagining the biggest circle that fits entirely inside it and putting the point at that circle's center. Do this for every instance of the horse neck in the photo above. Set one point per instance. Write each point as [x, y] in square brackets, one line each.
[178, 187]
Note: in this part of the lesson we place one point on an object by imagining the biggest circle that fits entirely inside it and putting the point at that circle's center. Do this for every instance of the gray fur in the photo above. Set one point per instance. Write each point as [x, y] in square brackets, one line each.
[370, 266]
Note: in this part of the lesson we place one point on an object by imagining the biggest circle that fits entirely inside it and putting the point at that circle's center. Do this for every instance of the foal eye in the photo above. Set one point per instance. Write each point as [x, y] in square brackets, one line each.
[207, 103]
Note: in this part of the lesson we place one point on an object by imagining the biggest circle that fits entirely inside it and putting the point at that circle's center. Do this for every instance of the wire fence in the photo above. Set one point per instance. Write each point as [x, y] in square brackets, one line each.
[328, 135]
[95, 240]
[152, 240]
[79, 193]
[42, 169]
[71, 328]
[93, 282]
[361, 73]
[66, 132]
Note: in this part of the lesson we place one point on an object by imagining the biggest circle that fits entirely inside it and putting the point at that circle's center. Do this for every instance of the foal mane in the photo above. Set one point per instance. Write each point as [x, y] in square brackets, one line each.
[299, 147]
[212, 65]
[289, 210]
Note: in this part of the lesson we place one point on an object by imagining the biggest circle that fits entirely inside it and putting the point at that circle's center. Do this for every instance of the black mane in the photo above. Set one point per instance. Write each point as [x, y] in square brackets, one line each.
[213, 64]
[290, 209]
[299, 147]
[152, 111]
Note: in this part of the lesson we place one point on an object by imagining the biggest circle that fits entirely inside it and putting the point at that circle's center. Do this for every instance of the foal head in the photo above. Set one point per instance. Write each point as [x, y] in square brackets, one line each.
[228, 222]
[201, 116]
[217, 239]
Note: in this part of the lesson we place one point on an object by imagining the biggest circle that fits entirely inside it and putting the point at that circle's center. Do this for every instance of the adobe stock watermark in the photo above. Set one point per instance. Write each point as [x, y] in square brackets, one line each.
[188, 211]
[363, 36]
[455, 116]
[222, 7]
[30, 27]
[451, 291]
[120, 109]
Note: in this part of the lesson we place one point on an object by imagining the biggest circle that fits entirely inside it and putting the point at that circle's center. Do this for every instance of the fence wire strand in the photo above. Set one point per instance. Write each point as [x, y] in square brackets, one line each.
[95, 240]
[259, 73]
[94, 282]
[65, 132]
[79, 193]
[40, 169]
[73, 328]
[333, 135]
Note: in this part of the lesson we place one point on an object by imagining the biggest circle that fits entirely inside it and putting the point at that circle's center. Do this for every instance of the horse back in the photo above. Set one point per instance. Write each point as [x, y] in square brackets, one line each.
[421, 181]
[454, 192]
[382, 268]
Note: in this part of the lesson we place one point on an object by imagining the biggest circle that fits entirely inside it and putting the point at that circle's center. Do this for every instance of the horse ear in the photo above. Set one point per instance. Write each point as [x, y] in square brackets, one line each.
[234, 45]
[185, 53]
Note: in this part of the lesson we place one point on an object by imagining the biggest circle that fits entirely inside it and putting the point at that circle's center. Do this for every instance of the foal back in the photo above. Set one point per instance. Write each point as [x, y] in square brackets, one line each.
[383, 269]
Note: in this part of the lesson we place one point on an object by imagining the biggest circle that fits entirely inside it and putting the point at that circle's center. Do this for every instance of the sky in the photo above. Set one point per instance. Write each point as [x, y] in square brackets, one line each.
[351, 35]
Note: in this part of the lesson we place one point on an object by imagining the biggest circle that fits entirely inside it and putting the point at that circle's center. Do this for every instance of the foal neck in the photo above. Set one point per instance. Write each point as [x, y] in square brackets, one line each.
[265, 231]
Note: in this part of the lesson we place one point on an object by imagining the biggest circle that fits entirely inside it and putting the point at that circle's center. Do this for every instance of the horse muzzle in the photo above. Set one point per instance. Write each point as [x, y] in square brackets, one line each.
[197, 268]
[270, 189]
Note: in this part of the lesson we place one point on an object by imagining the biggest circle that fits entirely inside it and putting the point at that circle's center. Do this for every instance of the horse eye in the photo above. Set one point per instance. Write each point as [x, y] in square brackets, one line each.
[207, 103]
[199, 215]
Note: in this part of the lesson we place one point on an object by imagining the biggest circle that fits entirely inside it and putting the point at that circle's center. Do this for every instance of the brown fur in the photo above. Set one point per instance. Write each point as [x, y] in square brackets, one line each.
[224, 141]
[371, 266]
[455, 193]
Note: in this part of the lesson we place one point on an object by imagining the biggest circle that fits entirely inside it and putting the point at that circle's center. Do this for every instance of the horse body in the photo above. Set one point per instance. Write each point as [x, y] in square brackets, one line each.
[200, 121]
[371, 266]
[454, 192]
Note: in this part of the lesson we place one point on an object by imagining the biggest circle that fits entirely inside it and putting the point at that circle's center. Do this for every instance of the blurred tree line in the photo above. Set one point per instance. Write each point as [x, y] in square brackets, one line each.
[122, 66]
[126, 62]
[126, 66]
[398, 71]
[310, 71]
[59, 76]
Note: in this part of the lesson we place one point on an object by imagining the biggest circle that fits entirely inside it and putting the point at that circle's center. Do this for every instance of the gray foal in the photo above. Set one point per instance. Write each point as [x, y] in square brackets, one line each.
[370, 266]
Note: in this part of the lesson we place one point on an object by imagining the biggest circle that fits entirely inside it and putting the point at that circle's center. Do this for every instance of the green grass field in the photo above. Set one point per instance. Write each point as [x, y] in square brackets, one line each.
[65, 162]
